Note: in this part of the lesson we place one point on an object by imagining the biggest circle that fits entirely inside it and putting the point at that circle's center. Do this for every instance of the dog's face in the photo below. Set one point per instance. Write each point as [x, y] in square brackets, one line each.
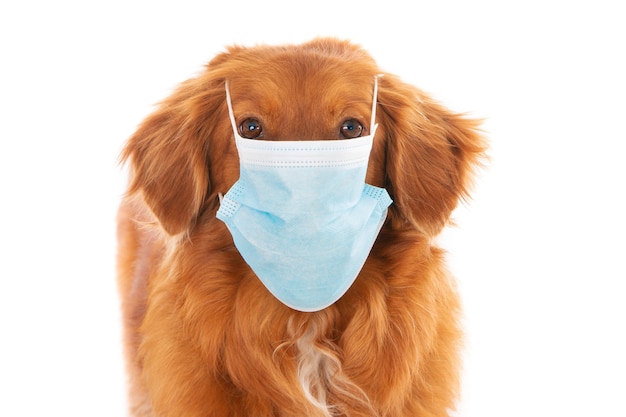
[184, 155]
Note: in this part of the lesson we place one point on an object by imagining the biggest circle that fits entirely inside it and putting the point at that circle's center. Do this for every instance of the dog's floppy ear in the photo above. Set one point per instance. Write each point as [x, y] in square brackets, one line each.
[431, 154]
[168, 155]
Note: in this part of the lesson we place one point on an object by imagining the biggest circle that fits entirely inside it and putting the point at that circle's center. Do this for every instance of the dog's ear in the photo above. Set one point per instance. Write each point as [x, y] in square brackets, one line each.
[168, 154]
[431, 155]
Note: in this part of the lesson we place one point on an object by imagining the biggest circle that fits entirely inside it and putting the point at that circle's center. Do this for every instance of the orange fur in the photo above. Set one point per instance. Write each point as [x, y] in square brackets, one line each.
[203, 336]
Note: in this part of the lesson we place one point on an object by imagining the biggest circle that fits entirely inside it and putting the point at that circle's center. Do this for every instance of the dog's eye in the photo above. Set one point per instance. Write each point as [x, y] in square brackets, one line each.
[351, 128]
[251, 129]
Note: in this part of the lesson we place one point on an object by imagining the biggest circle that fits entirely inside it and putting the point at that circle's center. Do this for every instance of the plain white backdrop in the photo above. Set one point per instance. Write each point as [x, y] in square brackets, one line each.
[538, 254]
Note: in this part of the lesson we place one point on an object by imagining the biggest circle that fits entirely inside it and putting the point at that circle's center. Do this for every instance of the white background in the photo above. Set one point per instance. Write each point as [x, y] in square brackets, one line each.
[539, 253]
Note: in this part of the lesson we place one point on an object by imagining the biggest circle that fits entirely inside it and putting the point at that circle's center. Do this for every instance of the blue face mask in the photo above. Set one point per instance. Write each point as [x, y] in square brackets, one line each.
[301, 215]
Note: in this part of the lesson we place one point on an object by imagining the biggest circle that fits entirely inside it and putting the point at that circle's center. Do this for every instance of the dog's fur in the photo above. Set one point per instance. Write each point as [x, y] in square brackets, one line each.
[203, 335]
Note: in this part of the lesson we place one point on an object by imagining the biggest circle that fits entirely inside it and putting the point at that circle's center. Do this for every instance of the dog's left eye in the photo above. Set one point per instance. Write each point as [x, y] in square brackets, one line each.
[251, 129]
[351, 128]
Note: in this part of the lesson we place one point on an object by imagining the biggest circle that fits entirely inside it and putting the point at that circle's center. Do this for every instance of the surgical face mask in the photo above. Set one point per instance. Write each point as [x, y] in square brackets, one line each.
[301, 215]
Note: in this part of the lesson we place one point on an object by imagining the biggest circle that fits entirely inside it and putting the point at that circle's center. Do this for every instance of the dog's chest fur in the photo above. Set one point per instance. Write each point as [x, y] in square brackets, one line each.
[320, 373]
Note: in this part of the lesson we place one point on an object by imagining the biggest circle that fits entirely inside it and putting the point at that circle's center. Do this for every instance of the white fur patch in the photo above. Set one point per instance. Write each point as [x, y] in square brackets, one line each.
[313, 371]
[319, 371]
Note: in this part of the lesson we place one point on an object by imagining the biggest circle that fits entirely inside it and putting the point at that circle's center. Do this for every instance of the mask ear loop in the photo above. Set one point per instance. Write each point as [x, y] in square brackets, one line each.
[231, 114]
[233, 123]
[374, 104]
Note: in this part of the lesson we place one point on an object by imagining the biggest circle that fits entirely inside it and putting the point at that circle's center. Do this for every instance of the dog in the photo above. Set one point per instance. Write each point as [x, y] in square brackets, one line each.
[203, 335]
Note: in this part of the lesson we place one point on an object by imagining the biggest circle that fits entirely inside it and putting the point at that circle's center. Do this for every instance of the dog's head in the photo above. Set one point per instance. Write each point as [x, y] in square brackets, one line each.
[184, 154]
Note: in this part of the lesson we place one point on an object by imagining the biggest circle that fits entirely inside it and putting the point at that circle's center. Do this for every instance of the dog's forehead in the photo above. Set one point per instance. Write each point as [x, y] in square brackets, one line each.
[282, 92]
[285, 92]
[297, 73]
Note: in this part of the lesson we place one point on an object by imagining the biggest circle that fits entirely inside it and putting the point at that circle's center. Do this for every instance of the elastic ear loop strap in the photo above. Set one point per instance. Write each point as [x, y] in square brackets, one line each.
[230, 109]
[375, 99]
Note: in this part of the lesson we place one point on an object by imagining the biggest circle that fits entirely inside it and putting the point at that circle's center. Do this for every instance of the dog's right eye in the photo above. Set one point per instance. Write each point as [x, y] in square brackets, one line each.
[251, 129]
[351, 129]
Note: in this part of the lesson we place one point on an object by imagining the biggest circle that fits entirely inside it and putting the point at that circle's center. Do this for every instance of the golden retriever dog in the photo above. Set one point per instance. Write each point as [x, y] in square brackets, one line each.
[203, 335]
